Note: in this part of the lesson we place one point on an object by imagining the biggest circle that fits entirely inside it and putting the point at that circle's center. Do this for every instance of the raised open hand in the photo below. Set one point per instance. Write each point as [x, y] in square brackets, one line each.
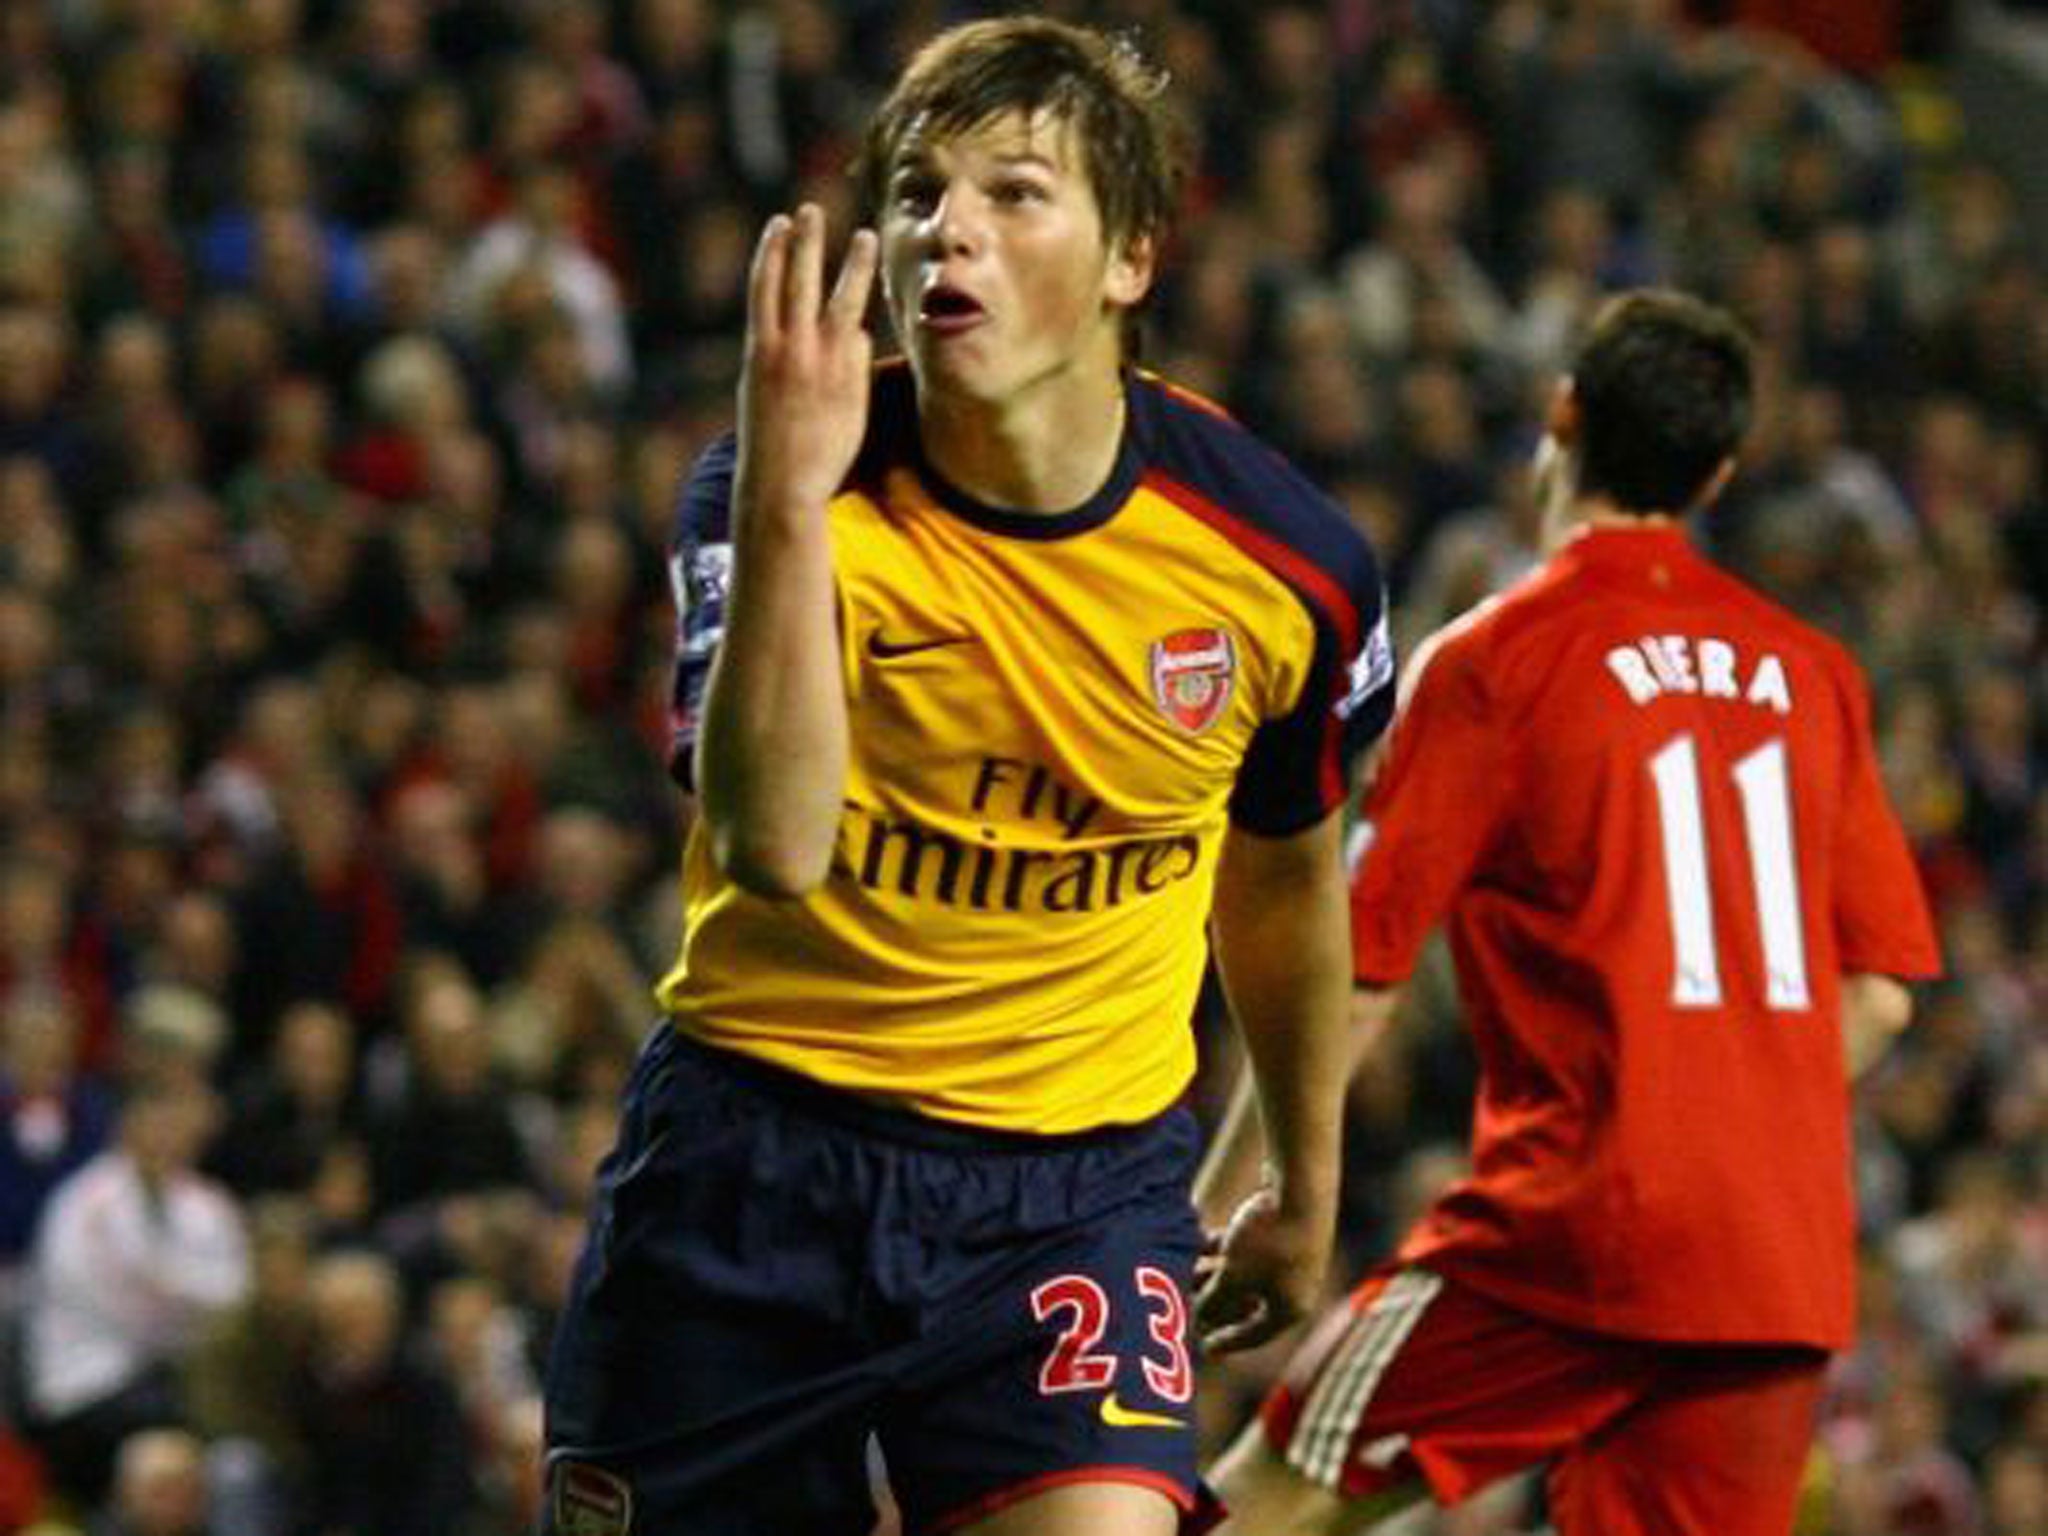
[803, 396]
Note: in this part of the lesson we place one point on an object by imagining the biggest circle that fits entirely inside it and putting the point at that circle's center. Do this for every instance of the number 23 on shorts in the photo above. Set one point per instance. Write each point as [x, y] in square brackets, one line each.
[1081, 1310]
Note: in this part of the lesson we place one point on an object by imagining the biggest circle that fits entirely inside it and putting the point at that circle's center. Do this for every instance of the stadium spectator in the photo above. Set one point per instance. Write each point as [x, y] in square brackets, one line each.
[160, 1487]
[135, 1253]
[293, 1108]
[387, 1454]
[53, 1118]
[242, 1379]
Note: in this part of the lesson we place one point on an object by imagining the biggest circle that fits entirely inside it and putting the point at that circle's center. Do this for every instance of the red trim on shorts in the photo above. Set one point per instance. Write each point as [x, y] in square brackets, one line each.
[1208, 1513]
[1003, 1498]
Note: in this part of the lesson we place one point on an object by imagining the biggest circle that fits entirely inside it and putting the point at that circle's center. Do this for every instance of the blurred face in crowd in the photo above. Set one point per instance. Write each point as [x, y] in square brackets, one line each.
[234, 349]
[268, 26]
[38, 1043]
[33, 899]
[134, 359]
[355, 1315]
[280, 1255]
[453, 1043]
[583, 861]
[341, 1192]
[28, 639]
[432, 836]
[391, 31]
[674, 29]
[160, 1484]
[32, 360]
[297, 426]
[167, 1127]
[196, 942]
[592, 568]
[291, 261]
[472, 735]
[313, 1051]
[461, 1314]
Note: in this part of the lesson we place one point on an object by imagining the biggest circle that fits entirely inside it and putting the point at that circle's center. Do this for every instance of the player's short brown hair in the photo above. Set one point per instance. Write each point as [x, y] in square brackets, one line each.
[1664, 388]
[1134, 143]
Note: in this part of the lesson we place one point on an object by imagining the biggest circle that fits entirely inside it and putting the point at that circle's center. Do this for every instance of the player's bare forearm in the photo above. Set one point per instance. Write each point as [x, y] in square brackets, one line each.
[1874, 1010]
[1283, 948]
[772, 744]
[1235, 1163]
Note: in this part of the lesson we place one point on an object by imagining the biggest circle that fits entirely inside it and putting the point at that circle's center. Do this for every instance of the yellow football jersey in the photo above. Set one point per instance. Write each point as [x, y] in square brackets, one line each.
[1053, 719]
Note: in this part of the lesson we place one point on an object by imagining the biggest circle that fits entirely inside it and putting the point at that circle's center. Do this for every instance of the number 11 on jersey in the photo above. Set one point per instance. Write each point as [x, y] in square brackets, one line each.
[1761, 782]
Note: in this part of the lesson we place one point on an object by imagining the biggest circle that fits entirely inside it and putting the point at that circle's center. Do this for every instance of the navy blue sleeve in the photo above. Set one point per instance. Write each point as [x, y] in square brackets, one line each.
[699, 565]
[1298, 768]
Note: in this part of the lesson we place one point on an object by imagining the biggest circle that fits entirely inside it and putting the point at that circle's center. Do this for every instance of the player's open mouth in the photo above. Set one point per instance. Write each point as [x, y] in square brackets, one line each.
[949, 310]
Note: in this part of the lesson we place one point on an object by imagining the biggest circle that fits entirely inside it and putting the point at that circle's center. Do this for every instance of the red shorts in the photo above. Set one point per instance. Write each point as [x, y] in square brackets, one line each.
[1418, 1377]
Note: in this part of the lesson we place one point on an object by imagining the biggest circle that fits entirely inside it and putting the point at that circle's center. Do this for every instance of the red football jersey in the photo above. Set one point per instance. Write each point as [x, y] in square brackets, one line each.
[1647, 802]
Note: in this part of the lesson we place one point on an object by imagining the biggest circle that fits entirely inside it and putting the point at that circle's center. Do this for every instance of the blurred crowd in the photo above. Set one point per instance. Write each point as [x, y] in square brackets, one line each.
[350, 353]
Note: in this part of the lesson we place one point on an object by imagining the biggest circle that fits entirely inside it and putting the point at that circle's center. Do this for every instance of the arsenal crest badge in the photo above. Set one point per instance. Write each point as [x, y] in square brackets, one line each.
[1193, 671]
[590, 1501]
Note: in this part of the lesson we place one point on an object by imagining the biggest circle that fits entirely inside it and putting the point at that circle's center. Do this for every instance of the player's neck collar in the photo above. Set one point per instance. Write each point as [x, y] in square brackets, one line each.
[1606, 526]
[1015, 523]
[1600, 516]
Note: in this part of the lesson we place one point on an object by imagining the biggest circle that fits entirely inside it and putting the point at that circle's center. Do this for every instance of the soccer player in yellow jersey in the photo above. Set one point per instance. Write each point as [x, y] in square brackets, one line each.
[1007, 676]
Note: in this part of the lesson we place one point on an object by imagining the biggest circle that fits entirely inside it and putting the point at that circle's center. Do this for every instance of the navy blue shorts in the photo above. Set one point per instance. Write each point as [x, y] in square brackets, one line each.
[778, 1274]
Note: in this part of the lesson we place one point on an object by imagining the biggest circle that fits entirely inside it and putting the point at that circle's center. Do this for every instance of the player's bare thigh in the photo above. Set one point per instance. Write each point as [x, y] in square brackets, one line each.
[1266, 1497]
[1084, 1509]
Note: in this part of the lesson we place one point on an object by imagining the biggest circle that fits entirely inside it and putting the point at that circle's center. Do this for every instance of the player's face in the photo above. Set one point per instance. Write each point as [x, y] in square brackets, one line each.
[995, 267]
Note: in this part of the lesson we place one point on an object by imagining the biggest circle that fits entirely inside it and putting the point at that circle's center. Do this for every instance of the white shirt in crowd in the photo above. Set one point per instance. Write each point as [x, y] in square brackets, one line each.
[122, 1279]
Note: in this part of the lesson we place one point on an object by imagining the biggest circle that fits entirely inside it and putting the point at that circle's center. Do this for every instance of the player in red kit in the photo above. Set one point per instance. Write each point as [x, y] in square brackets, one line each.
[1645, 803]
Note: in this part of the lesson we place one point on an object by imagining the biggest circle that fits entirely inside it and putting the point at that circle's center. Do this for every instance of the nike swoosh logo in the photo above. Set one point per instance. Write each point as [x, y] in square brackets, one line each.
[1117, 1416]
[889, 650]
